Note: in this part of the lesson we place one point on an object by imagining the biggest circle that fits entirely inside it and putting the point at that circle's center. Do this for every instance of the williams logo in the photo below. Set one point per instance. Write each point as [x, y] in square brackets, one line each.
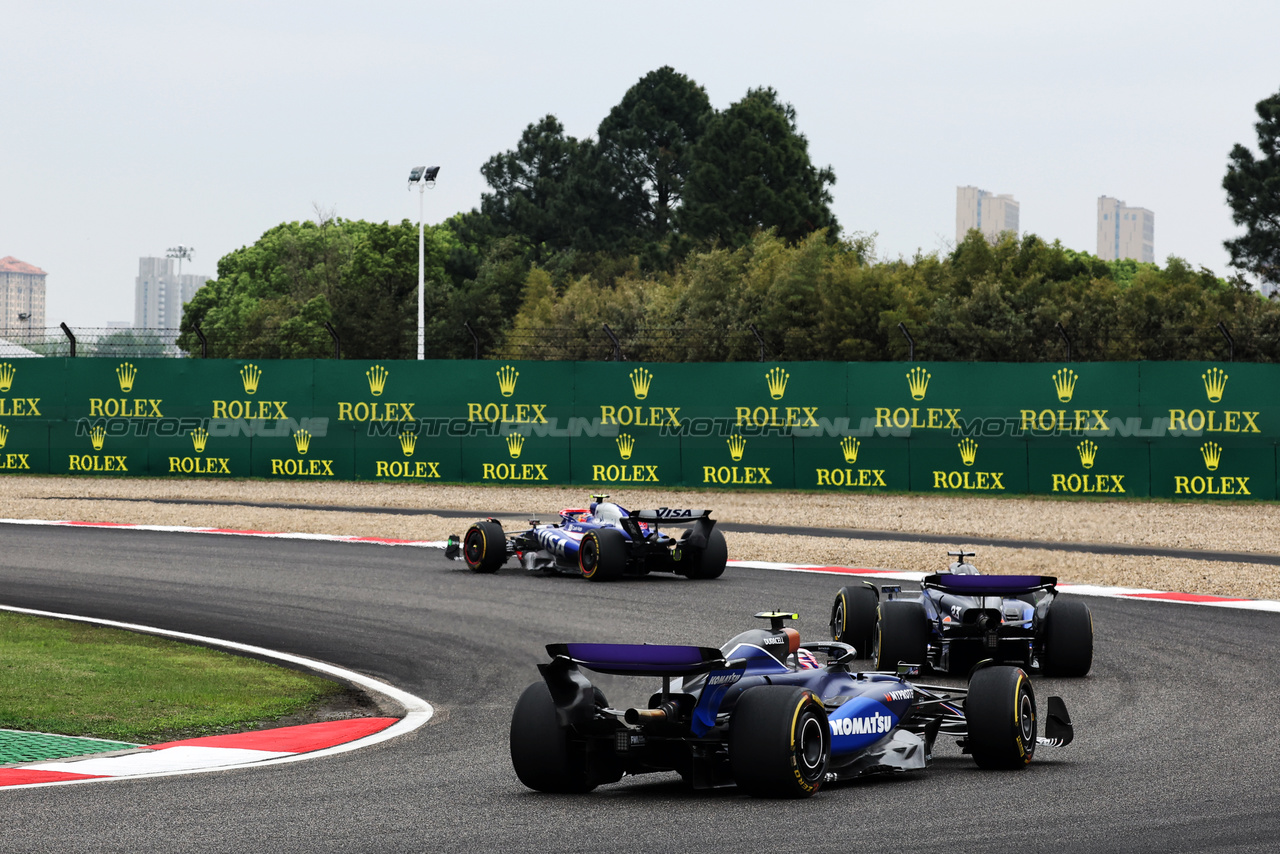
[1064, 383]
[626, 445]
[849, 447]
[515, 444]
[126, 374]
[1215, 383]
[7, 372]
[91, 462]
[507, 377]
[1211, 452]
[1214, 420]
[968, 479]
[302, 441]
[640, 380]
[1088, 483]
[199, 437]
[746, 475]
[408, 441]
[777, 382]
[250, 375]
[377, 376]
[918, 382]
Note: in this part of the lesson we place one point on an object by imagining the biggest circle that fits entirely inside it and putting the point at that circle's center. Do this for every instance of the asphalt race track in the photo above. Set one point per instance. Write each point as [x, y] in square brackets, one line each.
[1176, 745]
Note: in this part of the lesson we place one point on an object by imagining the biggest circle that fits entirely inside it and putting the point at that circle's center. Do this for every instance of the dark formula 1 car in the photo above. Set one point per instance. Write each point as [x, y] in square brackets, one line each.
[961, 617]
[761, 712]
[601, 543]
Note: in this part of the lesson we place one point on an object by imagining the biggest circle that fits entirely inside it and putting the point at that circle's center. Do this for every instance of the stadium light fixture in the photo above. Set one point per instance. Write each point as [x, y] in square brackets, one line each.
[422, 177]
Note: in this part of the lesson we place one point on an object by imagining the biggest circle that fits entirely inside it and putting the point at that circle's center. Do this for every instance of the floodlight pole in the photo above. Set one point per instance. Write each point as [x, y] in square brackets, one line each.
[180, 251]
[423, 176]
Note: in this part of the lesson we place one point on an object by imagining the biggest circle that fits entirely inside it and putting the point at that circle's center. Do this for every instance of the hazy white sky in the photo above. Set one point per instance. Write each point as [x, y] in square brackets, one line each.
[130, 127]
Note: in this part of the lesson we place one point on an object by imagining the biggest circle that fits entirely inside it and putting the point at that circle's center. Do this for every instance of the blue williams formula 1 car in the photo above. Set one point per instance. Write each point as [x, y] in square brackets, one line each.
[601, 543]
[761, 712]
[961, 617]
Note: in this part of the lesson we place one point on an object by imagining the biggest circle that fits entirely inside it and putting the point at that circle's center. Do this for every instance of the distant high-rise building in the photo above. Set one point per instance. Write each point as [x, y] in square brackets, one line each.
[1125, 232]
[989, 213]
[21, 295]
[160, 294]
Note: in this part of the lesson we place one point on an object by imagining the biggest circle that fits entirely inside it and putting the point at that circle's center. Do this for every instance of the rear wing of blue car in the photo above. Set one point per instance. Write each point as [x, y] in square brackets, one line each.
[989, 585]
[636, 659]
[700, 520]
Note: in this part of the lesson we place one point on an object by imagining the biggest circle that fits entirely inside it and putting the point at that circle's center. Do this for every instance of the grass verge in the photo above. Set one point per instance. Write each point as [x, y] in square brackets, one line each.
[79, 679]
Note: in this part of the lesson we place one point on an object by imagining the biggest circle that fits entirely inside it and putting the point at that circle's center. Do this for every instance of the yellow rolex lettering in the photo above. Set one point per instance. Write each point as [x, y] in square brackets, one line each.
[1252, 427]
[1180, 484]
[1059, 483]
[473, 412]
[1177, 419]
[344, 412]
[882, 416]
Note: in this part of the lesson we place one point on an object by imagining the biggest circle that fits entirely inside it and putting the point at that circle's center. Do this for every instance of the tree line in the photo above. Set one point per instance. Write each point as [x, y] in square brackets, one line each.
[697, 234]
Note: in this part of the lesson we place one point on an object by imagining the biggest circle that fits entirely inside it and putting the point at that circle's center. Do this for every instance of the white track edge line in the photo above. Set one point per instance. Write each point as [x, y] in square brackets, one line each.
[417, 710]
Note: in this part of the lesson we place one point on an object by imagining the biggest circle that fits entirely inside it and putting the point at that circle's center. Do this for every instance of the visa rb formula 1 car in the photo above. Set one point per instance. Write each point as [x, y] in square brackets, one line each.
[602, 543]
[961, 617]
[762, 713]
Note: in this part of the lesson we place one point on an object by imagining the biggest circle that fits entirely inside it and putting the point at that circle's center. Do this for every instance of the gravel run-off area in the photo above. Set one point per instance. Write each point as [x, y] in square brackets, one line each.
[1248, 528]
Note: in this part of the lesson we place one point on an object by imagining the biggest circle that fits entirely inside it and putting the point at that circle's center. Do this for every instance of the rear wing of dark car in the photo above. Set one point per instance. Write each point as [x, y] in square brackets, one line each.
[700, 520]
[989, 585]
[639, 659]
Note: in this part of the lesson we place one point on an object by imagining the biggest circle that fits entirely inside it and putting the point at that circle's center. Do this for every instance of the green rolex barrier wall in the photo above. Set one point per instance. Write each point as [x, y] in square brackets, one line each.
[1168, 429]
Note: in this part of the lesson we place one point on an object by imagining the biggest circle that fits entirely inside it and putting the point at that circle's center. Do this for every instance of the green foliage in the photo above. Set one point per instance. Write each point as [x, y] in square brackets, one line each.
[751, 172]
[1253, 192]
[272, 299]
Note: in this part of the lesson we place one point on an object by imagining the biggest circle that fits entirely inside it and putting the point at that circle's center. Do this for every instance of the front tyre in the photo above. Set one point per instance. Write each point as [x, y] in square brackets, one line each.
[541, 754]
[602, 555]
[779, 742]
[1068, 638]
[484, 547]
[707, 562]
[902, 634]
[1000, 712]
[853, 619]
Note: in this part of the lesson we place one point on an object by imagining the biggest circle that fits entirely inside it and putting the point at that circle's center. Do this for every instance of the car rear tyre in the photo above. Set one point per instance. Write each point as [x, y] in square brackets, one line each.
[1000, 713]
[902, 635]
[1068, 638]
[779, 742]
[602, 555]
[541, 752]
[853, 619]
[707, 562]
[484, 547]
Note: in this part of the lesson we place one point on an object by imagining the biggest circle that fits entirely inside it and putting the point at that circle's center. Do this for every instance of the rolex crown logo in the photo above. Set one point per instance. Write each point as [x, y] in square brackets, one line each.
[97, 436]
[849, 446]
[6, 376]
[126, 374]
[1064, 382]
[4, 435]
[640, 379]
[918, 382]
[777, 380]
[408, 441]
[377, 376]
[302, 440]
[1212, 453]
[1088, 450]
[515, 444]
[1215, 383]
[507, 377]
[626, 445]
[737, 444]
[199, 437]
[968, 451]
[249, 375]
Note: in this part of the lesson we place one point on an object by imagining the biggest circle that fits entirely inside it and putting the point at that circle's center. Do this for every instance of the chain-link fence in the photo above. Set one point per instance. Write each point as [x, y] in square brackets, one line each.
[702, 343]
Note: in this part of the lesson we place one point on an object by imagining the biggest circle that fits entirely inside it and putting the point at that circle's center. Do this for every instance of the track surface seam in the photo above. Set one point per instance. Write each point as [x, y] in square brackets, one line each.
[1112, 549]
